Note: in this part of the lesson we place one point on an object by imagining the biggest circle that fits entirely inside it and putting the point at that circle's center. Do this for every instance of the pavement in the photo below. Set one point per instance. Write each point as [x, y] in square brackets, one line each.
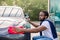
[34, 34]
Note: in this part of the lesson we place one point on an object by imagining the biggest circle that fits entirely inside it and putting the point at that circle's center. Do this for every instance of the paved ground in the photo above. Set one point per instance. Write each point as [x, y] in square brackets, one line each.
[34, 34]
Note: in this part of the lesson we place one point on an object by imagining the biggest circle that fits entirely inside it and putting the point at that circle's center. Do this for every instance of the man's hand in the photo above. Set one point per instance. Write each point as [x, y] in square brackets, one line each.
[28, 19]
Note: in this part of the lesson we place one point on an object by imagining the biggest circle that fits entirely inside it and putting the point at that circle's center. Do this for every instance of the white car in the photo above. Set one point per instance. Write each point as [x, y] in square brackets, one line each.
[11, 15]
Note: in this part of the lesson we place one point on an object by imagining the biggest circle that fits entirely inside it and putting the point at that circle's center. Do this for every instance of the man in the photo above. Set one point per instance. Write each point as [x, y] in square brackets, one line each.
[46, 27]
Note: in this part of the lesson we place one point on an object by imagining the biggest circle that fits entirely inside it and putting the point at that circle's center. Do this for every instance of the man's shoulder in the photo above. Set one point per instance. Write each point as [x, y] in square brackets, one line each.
[45, 21]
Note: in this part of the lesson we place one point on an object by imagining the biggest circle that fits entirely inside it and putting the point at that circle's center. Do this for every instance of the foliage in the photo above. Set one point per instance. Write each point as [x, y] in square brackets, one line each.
[32, 7]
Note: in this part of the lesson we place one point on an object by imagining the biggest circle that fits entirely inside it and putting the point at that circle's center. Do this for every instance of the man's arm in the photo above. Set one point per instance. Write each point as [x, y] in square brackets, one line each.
[33, 30]
[35, 25]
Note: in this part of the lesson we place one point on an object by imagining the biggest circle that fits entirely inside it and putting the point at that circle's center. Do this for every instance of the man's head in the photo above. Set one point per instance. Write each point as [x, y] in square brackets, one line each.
[43, 15]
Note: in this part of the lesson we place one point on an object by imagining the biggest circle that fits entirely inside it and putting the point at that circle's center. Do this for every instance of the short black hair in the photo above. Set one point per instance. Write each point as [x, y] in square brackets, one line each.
[45, 13]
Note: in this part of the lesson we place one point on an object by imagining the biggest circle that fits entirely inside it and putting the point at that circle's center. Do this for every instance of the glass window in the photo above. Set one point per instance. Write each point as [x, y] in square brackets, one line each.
[55, 12]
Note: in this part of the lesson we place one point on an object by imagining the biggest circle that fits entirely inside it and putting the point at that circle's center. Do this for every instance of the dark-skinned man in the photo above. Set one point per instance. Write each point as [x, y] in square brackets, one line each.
[46, 27]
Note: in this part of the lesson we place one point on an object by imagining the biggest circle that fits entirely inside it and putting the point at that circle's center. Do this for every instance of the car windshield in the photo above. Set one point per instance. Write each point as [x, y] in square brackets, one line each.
[10, 15]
